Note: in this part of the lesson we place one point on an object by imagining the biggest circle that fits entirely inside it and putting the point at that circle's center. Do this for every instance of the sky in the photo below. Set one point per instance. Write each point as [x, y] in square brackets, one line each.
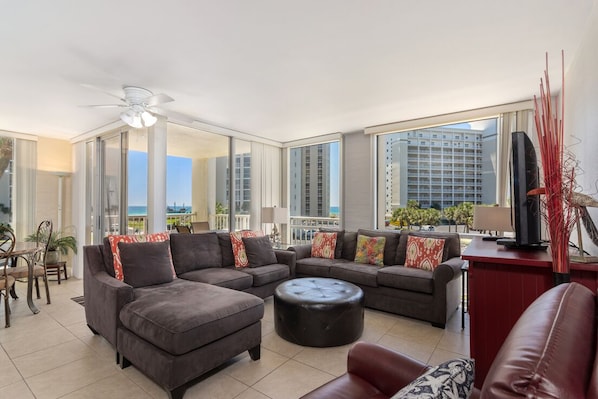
[178, 178]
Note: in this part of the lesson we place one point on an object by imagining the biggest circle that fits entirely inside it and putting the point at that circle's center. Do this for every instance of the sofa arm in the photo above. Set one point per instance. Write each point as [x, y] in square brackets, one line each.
[104, 295]
[448, 270]
[302, 251]
[372, 371]
[286, 257]
[387, 370]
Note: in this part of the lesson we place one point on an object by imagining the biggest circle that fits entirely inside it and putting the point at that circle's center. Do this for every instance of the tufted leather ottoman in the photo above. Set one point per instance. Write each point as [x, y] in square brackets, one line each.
[318, 311]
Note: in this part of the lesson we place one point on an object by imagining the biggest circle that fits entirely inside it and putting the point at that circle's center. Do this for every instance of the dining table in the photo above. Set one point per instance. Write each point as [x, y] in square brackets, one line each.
[26, 251]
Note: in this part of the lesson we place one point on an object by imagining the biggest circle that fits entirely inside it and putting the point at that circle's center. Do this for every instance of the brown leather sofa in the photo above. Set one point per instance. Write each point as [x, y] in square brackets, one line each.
[549, 353]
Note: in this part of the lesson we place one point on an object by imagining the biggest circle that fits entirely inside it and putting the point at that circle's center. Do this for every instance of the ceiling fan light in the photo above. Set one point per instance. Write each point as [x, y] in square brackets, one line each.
[148, 118]
[131, 118]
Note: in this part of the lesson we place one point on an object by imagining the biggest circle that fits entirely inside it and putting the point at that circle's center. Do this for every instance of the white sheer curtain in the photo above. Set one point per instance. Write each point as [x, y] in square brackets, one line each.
[24, 187]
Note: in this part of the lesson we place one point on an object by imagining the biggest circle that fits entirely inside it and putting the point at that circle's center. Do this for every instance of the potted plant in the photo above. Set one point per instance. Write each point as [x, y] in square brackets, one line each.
[59, 243]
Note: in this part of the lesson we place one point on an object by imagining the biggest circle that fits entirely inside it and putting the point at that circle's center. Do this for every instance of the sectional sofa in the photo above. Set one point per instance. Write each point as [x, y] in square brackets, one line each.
[430, 295]
[176, 324]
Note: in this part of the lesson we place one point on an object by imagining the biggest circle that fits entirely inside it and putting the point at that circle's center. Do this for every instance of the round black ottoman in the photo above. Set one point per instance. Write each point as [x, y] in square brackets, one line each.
[318, 311]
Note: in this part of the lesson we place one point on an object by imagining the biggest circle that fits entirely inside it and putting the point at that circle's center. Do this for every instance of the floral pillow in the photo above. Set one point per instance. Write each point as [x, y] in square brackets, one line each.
[323, 245]
[452, 379]
[424, 253]
[370, 250]
[236, 240]
[118, 266]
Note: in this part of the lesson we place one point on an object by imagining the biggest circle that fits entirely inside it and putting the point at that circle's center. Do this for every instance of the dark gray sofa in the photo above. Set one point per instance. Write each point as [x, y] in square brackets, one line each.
[174, 332]
[421, 294]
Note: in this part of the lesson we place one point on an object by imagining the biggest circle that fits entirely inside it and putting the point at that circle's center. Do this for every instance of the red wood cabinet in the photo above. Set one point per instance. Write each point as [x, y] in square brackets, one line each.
[502, 284]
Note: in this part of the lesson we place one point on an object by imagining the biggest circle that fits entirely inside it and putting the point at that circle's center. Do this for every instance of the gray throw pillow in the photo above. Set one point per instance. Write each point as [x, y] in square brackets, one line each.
[146, 263]
[451, 379]
[259, 251]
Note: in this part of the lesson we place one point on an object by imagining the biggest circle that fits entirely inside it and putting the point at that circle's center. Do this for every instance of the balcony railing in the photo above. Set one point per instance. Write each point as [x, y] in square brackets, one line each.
[301, 228]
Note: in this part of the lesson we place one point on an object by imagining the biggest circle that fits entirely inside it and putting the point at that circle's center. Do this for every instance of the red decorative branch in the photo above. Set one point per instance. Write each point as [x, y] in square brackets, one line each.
[558, 168]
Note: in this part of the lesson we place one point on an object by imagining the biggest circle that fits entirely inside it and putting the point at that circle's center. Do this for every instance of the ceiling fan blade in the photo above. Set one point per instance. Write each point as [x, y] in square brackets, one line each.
[104, 106]
[158, 99]
[172, 114]
[92, 87]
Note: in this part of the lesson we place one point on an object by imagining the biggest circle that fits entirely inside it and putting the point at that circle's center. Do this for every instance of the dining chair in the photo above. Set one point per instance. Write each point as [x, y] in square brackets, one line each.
[42, 238]
[6, 280]
[200, 227]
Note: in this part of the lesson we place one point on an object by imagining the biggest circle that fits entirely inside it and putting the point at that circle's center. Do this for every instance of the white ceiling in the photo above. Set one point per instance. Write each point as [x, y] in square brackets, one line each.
[282, 70]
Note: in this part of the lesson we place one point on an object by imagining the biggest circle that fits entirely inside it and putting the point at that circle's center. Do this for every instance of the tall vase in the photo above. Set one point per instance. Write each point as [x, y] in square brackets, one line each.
[560, 263]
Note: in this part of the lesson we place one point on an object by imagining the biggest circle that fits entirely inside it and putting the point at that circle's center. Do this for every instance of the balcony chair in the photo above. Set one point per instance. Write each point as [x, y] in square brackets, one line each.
[200, 227]
[181, 229]
[42, 238]
[7, 244]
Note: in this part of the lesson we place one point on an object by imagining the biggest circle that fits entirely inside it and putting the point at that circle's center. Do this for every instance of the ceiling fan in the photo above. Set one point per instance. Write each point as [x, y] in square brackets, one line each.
[141, 106]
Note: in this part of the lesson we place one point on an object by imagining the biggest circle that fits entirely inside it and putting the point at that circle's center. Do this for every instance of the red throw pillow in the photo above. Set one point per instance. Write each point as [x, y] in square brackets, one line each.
[236, 240]
[323, 245]
[424, 253]
[118, 266]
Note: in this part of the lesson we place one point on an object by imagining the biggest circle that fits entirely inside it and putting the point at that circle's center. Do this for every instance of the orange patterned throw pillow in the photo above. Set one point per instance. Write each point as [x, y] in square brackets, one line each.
[424, 253]
[236, 240]
[323, 245]
[118, 266]
[370, 250]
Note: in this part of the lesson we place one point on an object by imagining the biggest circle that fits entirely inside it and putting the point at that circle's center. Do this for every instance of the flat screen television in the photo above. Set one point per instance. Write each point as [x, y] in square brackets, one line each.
[526, 218]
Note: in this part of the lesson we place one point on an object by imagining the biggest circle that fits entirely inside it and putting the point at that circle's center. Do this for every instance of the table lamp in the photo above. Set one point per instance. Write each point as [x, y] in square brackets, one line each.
[274, 215]
[492, 218]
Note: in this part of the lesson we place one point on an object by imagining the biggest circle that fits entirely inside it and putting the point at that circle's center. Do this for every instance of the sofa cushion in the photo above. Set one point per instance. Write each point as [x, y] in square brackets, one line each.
[259, 251]
[424, 252]
[317, 267]
[236, 239]
[159, 237]
[390, 246]
[340, 239]
[195, 251]
[370, 250]
[406, 278]
[267, 274]
[182, 315]
[349, 244]
[226, 249]
[355, 273]
[221, 276]
[146, 263]
[451, 379]
[324, 245]
[115, 250]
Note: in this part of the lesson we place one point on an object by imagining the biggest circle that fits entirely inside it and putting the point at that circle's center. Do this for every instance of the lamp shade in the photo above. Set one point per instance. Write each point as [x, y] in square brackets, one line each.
[274, 215]
[492, 218]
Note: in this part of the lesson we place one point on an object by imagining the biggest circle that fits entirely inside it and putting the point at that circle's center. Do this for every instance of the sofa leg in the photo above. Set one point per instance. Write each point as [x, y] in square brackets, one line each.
[117, 358]
[92, 330]
[124, 362]
[177, 393]
[439, 325]
[254, 353]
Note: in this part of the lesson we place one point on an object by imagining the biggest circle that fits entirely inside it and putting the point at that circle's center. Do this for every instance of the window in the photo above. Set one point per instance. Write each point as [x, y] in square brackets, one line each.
[407, 167]
[6, 178]
[314, 188]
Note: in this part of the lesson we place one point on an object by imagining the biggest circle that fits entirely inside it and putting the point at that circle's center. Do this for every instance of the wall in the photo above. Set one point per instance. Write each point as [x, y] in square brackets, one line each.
[581, 117]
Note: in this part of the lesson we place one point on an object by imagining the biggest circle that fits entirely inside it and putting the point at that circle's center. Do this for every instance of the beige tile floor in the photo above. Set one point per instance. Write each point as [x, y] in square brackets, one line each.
[54, 355]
